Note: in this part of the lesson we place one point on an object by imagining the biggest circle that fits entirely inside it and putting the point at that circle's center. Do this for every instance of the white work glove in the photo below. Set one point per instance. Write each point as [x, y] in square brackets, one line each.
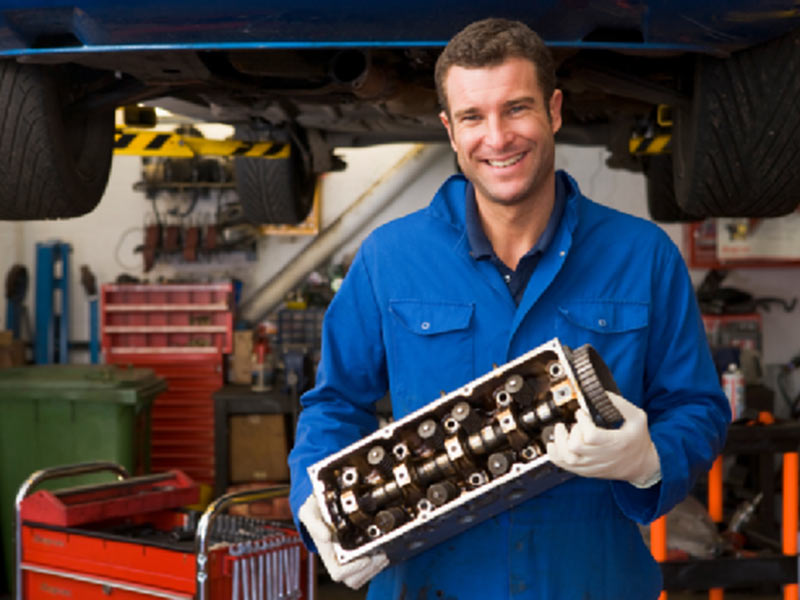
[627, 454]
[353, 574]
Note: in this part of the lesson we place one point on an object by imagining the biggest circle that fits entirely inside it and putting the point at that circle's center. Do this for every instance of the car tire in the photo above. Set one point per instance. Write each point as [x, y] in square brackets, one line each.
[274, 190]
[661, 203]
[735, 151]
[56, 162]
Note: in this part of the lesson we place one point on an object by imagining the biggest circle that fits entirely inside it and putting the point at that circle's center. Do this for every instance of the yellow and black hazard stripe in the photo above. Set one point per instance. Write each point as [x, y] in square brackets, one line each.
[138, 142]
[657, 144]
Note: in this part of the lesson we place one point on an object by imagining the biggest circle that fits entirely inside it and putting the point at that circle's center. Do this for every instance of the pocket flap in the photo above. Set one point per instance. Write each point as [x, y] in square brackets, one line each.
[606, 316]
[430, 318]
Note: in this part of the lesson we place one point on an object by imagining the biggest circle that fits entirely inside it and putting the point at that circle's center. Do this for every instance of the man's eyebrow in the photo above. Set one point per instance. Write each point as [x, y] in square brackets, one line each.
[521, 100]
[465, 111]
[471, 110]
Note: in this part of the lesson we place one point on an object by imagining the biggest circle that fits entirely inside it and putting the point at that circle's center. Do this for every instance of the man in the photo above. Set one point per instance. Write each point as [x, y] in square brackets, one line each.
[506, 257]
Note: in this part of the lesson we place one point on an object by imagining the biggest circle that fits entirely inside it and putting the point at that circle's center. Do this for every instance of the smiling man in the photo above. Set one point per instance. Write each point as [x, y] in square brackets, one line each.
[507, 256]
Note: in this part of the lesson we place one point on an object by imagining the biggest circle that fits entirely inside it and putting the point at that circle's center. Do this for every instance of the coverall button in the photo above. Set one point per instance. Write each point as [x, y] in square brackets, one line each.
[425, 325]
[602, 322]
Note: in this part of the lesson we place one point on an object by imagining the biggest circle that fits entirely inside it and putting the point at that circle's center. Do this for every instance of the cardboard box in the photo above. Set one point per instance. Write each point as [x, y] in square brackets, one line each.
[12, 352]
[258, 448]
[241, 365]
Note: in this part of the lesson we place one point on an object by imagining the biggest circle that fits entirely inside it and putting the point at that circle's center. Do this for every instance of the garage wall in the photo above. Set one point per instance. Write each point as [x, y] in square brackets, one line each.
[105, 239]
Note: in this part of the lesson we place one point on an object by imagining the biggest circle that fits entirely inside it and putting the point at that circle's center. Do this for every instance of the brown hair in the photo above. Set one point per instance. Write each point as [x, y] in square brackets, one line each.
[490, 42]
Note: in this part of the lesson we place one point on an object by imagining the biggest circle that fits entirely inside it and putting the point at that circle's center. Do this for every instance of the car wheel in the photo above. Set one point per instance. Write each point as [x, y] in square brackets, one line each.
[736, 146]
[274, 190]
[55, 161]
[661, 203]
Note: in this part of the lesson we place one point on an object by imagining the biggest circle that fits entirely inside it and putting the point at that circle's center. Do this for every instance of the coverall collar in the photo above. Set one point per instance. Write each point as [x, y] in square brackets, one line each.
[480, 245]
[448, 204]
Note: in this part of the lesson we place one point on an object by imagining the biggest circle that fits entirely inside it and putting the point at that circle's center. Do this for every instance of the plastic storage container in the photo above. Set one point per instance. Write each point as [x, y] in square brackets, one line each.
[58, 414]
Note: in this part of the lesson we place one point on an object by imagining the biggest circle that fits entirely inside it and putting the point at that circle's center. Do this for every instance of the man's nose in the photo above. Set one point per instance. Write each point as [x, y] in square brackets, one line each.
[497, 132]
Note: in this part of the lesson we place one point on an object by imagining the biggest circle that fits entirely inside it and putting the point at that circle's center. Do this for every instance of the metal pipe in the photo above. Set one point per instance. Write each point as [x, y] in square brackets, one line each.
[379, 195]
[312, 575]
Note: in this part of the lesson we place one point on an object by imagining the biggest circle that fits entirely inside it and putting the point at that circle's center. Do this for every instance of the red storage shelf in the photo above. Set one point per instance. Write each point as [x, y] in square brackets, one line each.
[192, 319]
[180, 331]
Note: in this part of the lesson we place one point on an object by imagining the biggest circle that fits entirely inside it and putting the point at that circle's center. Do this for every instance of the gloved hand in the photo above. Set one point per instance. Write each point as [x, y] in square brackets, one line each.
[627, 453]
[353, 574]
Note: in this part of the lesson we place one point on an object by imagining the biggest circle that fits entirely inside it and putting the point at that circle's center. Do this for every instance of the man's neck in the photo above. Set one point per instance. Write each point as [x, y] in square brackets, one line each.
[513, 230]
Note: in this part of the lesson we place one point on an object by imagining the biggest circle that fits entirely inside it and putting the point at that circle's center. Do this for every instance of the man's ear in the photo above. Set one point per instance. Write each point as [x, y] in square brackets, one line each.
[555, 110]
[446, 122]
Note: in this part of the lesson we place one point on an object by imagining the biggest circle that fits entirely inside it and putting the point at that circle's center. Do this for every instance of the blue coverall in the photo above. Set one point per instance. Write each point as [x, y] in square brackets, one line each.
[417, 315]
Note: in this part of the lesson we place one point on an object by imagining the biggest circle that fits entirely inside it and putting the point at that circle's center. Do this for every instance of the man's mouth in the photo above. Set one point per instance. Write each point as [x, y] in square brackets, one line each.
[507, 162]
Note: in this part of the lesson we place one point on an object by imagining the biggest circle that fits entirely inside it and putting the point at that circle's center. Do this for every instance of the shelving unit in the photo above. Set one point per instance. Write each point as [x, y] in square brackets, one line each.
[182, 332]
[777, 565]
[700, 239]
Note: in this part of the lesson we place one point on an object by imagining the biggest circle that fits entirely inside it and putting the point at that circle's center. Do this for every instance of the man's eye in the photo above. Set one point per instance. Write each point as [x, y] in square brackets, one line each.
[471, 118]
[517, 109]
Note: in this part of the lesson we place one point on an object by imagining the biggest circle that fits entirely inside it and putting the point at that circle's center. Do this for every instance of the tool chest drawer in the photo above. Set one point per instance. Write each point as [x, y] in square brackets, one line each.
[131, 539]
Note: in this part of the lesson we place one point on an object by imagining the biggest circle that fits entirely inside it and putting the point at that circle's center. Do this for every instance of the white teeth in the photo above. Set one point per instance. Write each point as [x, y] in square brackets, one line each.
[505, 163]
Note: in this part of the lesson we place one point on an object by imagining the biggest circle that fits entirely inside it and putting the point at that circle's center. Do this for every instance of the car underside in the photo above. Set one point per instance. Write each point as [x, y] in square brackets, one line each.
[731, 99]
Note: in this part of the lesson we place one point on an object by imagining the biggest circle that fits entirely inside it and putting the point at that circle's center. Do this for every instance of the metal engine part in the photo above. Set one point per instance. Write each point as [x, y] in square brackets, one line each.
[463, 458]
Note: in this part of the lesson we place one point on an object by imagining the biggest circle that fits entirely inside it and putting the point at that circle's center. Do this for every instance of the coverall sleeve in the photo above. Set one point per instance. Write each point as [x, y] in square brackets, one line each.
[351, 378]
[688, 414]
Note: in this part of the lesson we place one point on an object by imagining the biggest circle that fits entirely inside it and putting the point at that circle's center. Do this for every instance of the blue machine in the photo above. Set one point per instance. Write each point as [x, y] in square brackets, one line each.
[52, 302]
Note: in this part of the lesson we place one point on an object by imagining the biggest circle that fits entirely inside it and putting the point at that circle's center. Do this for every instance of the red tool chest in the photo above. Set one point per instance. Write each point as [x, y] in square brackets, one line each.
[182, 332]
[130, 539]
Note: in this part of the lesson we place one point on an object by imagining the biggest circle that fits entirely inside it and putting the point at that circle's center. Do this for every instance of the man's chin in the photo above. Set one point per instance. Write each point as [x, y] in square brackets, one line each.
[506, 197]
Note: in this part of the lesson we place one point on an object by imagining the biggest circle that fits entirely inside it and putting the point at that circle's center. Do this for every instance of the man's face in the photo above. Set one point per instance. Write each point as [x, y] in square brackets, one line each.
[500, 130]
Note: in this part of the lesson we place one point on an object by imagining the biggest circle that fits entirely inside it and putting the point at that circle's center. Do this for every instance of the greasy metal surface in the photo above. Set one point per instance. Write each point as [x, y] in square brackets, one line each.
[462, 458]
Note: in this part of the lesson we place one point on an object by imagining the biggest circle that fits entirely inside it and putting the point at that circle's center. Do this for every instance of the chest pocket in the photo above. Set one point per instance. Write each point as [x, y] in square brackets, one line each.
[432, 349]
[617, 329]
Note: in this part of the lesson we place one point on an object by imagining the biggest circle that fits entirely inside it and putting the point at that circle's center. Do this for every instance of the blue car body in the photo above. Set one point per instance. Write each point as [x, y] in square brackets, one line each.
[321, 75]
[34, 27]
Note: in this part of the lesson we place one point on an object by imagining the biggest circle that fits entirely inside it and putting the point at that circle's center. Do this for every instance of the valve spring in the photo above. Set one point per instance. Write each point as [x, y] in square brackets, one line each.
[379, 458]
[390, 518]
[467, 417]
[442, 492]
[499, 463]
[431, 433]
[521, 389]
